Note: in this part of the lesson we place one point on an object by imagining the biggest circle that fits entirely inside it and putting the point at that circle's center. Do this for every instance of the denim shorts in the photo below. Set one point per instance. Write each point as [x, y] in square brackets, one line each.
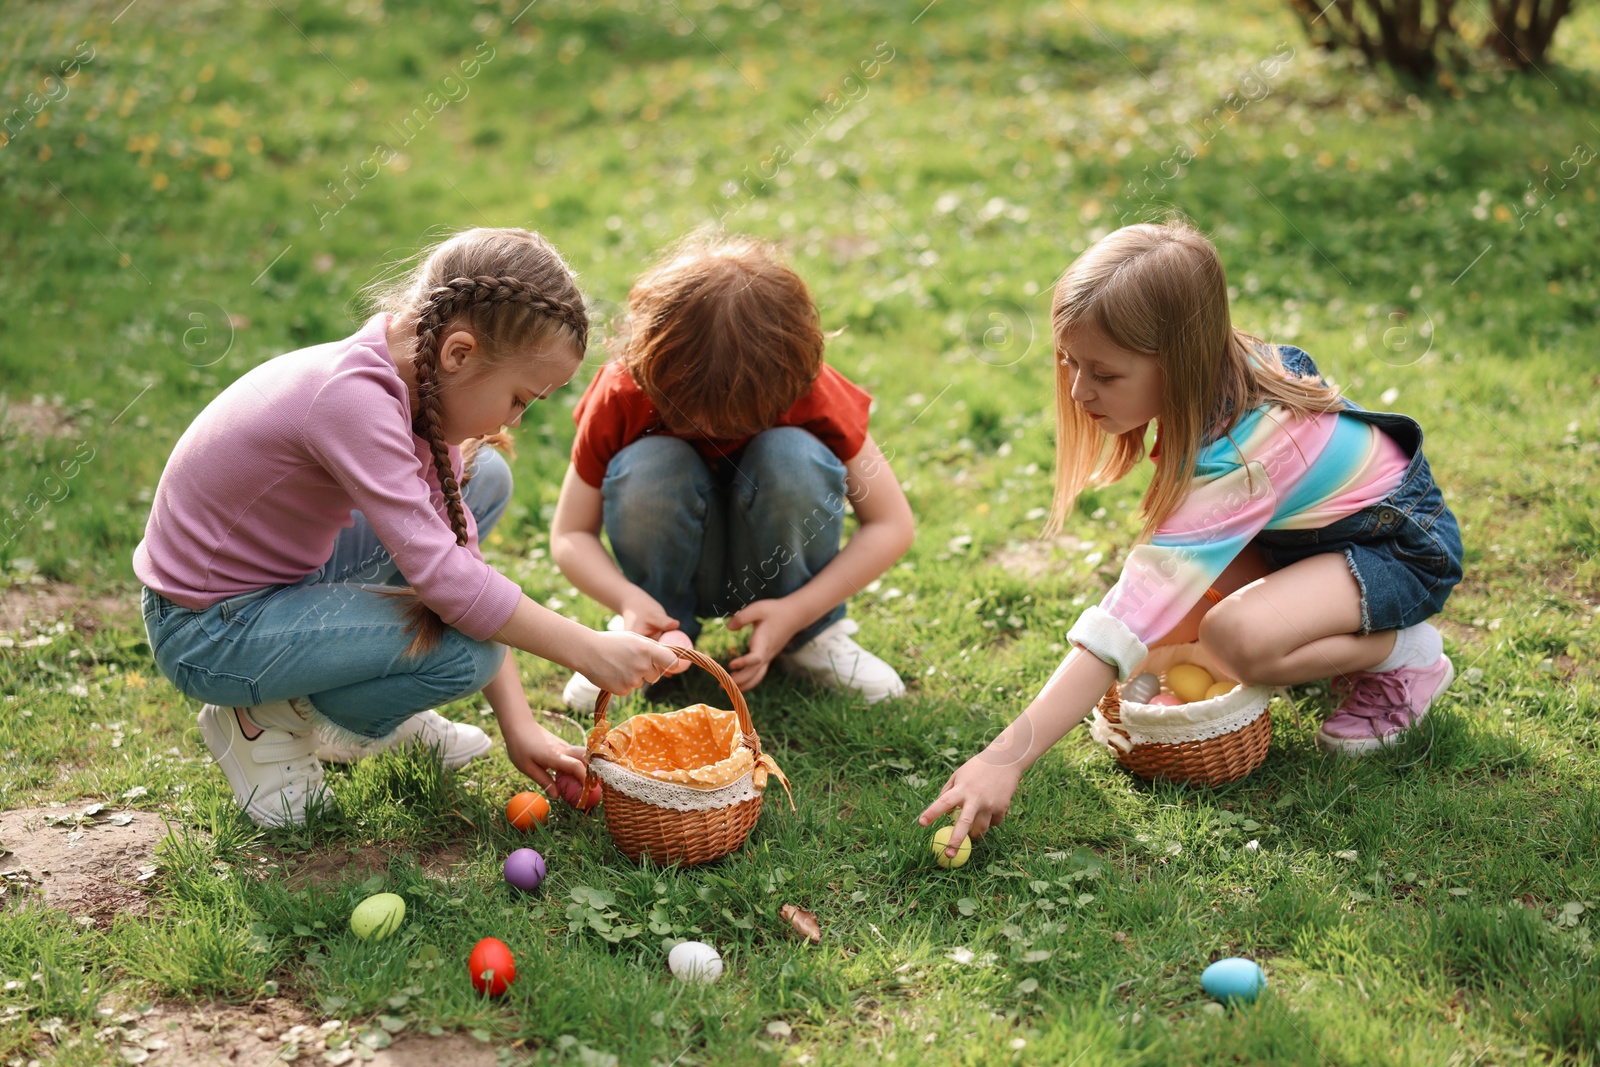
[1405, 551]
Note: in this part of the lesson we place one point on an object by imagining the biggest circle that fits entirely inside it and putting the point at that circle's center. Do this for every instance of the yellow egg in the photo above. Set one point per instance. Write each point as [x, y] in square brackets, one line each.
[941, 841]
[378, 916]
[1222, 687]
[1188, 681]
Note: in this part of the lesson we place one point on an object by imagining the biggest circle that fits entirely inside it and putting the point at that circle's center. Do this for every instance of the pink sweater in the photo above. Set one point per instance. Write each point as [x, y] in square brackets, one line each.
[266, 476]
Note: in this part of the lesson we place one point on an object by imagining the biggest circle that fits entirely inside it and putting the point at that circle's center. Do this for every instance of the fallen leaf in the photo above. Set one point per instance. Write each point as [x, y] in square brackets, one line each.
[804, 922]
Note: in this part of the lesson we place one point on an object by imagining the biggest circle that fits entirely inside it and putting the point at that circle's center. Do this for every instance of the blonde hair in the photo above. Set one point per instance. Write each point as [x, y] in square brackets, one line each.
[722, 336]
[512, 291]
[1160, 291]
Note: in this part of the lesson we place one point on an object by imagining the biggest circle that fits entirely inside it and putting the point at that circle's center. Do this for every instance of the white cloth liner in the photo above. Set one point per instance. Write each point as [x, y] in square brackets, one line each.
[1157, 724]
[671, 794]
[1145, 724]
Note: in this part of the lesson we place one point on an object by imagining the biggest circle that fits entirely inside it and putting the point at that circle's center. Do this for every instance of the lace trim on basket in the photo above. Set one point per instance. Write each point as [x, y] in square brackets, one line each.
[671, 794]
[1150, 729]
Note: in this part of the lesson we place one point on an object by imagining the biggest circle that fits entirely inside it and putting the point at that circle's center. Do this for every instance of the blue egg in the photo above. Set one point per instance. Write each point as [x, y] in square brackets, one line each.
[1234, 979]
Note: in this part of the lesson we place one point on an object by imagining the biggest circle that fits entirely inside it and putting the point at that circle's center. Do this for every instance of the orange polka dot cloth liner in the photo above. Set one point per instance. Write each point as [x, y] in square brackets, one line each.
[699, 747]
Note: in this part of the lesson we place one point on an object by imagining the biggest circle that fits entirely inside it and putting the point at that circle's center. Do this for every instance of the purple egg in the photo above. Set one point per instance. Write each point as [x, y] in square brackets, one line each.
[525, 869]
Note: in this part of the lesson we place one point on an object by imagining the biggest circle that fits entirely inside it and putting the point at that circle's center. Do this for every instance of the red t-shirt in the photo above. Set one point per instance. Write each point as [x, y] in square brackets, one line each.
[614, 412]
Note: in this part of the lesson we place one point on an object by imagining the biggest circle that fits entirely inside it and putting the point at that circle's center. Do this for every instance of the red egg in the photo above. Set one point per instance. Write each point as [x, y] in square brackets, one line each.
[573, 792]
[491, 966]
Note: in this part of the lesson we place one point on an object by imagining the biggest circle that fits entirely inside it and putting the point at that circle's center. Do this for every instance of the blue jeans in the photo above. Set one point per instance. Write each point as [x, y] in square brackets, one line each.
[332, 636]
[707, 541]
[1405, 551]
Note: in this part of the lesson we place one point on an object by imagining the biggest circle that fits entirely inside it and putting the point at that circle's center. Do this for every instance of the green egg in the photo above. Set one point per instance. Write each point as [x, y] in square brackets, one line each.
[378, 916]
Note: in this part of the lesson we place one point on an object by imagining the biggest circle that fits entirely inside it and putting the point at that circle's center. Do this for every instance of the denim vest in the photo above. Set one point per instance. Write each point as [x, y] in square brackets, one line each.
[1412, 524]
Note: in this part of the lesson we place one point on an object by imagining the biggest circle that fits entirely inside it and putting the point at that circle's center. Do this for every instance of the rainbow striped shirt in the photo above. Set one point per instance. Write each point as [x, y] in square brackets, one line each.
[1275, 471]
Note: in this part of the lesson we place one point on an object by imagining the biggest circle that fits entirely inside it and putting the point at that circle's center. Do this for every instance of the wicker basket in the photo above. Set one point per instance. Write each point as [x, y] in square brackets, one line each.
[674, 823]
[1207, 742]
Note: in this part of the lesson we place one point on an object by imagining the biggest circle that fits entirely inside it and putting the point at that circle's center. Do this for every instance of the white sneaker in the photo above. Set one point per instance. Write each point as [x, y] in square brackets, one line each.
[580, 694]
[457, 743]
[275, 775]
[831, 658]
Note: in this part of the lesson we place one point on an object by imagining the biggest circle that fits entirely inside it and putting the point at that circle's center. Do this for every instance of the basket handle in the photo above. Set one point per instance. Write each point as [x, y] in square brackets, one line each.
[1111, 705]
[699, 659]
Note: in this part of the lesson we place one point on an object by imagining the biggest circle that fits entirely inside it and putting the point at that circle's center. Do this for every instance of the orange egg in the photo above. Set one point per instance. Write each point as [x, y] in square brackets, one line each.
[525, 809]
[1222, 688]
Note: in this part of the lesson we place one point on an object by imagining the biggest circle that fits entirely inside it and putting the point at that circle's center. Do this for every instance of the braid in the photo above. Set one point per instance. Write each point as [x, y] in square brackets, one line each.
[440, 307]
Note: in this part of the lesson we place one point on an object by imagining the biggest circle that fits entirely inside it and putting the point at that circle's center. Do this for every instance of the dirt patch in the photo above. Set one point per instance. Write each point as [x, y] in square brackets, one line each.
[39, 606]
[1030, 559]
[277, 1030]
[329, 867]
[36, 418]
[849, 247]
[85, 860]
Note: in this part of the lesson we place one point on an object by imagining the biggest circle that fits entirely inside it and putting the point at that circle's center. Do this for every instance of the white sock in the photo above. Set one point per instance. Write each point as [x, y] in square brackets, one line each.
[282, 715]
[1415, 646]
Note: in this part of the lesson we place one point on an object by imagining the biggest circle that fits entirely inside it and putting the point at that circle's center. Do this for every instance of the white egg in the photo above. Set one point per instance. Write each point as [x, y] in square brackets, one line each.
[695, 961]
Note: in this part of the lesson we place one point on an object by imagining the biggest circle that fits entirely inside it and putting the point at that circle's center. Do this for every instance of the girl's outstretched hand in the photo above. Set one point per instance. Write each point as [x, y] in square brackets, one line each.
[536, 752]
[621, 661]
[982, 788]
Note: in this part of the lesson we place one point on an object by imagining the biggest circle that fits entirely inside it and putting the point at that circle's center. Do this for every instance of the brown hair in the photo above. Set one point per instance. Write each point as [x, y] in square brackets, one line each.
[513, 292]
[1160, 291]
[722, 337]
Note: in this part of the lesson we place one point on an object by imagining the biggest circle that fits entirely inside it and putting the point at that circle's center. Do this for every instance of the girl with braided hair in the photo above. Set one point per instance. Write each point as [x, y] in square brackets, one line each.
[311, 563]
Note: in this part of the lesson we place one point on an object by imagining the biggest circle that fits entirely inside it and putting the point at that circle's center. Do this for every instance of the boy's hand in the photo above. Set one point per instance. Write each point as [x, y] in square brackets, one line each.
[982, 788]
[643, 614]
[773, 623]
[621, 661]
[536, 752]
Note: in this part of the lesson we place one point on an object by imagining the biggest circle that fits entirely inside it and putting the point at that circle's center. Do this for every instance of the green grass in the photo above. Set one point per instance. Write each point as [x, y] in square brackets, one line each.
[1434, 905]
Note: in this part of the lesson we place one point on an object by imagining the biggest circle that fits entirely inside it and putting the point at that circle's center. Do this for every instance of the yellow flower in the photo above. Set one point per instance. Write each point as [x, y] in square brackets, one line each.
[133, 680]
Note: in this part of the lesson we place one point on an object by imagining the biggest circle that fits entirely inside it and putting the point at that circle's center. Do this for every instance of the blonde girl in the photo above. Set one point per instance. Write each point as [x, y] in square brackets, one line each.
[1293, 534]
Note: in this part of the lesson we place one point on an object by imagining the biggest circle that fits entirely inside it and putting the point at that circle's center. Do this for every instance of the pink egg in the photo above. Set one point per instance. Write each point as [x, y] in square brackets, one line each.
[681, 640]
[1166, 700]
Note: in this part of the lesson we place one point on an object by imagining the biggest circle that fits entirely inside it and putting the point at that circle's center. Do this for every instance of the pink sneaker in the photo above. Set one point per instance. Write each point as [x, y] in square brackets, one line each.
[1378, 710]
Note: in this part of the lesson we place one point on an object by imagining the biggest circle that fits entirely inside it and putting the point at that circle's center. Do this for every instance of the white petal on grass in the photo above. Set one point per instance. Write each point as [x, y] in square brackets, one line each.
[961, 954]
[1349, 854]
